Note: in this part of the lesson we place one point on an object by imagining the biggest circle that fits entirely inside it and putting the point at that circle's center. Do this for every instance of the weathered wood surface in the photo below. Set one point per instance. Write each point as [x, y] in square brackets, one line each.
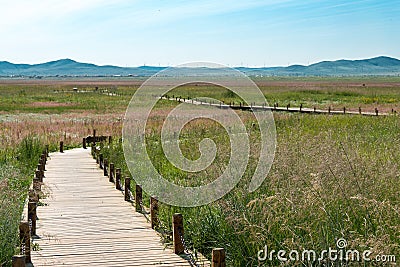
[86, 222]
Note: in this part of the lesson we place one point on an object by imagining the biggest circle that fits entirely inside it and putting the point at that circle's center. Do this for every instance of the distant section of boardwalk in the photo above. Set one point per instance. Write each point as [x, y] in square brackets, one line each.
[275, 108]
[86, 222]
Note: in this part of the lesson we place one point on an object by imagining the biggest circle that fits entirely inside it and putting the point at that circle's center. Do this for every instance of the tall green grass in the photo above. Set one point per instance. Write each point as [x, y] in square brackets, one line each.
[333, 177]
[17, 165]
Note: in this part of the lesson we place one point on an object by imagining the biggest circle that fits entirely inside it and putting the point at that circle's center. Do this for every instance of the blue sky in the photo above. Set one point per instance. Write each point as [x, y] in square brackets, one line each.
[234, 33]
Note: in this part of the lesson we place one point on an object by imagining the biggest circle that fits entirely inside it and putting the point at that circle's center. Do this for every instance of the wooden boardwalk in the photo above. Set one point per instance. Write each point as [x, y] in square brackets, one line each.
[281, 109]
[86, 222]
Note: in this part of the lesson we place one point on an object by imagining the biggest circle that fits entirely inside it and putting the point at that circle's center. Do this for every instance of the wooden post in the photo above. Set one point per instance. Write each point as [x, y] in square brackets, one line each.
[25, 240]
[101, 161]
[105, 167]
[47, 150]
[177, 230]
[37, 184]
[127, 188]
[315, 109]
[118, 179]
[218, 257]
[84, 143]
[39, 168]
[61, 147]
[110, 139]
[42, 164]
[138, 198]
[344, 110]
[111, 174]
[301, 107]
[38, 175]
[44, 157]
[359, 110]
[18, 261]
[32, 216]
[94, 132]
[376, 111]
[154, 212]
[329, 110]
[33, 196]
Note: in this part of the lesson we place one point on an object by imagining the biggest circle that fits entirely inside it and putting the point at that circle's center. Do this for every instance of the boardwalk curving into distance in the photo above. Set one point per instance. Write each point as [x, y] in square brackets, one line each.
[86, 222]
[275, 108]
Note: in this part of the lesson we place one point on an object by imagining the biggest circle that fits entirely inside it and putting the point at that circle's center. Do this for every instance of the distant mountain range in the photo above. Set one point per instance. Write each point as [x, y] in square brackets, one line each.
[67, 67]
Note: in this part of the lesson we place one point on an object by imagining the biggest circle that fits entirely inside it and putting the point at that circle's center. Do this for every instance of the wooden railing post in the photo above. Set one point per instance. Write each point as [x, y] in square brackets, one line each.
[218, 257]
[154, 212]
[18, 261]
[42, 163]
[84, 143]
[329, 110]
[61, 147]
[178, 231]
[376, 111]
[105, 166]
[127, 188]
[138, 198]
[33, 196]
[47, 150]
[118, 179]
[32, 216]
[344, 110]
[39, 168]
[111, 173]
[44, 157]
[25, 240]
[38, 175]
[101, 163]
[37, 185]
[94, 132]
[301, 107]
[359, 110]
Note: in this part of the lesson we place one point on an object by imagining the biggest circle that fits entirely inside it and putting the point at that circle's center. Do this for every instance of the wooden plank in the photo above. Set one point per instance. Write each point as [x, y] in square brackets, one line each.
[86, 222]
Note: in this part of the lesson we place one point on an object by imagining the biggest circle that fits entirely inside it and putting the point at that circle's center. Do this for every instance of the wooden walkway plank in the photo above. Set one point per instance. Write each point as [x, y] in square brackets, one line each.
[86, 222]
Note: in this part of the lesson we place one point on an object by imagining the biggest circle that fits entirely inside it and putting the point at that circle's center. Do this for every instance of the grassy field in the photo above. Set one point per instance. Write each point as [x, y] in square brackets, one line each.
[333, 176]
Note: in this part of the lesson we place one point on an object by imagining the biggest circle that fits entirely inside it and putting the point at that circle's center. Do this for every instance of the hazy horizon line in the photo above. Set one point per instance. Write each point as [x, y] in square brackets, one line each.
[227, 65]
